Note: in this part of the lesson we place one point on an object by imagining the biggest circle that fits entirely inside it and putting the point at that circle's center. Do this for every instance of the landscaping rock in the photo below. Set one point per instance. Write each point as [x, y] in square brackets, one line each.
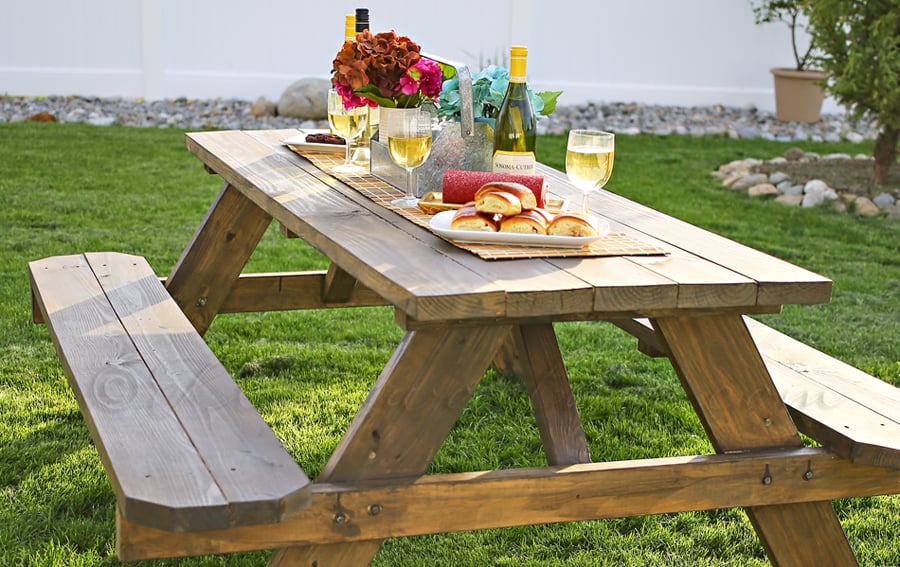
[762, 190]
[785, 187]
[863, 207]
[777, 177]
[884, 200]
[306, 99]
[263, 108]
[749, 181]
[794, 154]
[789, 200]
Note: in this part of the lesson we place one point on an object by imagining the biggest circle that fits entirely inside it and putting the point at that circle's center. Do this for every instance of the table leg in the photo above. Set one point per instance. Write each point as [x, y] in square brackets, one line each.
[402, 423]
[532, 354]
[214, 258]
[732, 392]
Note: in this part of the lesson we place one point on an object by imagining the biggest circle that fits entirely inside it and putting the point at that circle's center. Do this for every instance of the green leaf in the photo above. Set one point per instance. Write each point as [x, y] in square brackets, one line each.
[549, 98]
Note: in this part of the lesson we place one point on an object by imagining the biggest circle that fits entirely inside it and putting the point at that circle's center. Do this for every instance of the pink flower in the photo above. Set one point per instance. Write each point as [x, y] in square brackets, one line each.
[351, 100]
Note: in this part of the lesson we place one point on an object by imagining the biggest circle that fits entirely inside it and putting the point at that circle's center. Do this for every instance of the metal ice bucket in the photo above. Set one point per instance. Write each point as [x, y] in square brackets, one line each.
[465, 145]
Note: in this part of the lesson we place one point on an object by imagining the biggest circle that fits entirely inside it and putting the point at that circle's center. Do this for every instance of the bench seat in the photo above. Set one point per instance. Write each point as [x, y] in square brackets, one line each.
[182, 446]
[851, 413]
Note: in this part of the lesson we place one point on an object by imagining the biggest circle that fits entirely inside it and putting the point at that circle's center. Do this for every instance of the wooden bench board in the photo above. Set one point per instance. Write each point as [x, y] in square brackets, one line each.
[846, 410]
[183, 447]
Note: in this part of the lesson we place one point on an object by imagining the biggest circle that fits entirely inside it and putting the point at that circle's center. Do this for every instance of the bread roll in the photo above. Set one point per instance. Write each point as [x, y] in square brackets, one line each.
[527, 222]
[529, 201]
[571, 224]
[498, 202]
[467, 218]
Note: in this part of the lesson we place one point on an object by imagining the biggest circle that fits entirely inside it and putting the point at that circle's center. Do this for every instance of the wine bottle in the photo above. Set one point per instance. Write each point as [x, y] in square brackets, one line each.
[515, 130]
[361, 153]
[349, 35]
[349, 28]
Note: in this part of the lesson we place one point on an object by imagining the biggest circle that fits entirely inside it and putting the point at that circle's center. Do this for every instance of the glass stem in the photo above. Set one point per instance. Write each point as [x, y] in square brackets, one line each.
[347, 153]
[410, 190]
[587, 202]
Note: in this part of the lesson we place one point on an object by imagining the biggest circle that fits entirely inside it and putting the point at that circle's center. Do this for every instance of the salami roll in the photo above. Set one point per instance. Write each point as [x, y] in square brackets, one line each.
[460, 186]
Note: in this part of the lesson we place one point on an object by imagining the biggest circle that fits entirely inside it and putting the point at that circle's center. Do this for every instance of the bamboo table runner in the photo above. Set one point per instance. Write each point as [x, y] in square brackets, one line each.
[382, 193]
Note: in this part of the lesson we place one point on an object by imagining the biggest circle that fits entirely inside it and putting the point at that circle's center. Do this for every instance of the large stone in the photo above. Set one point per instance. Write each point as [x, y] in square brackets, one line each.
[263, 108]
[866, 208]
[884, 200]
[815, 186]
[762, 190]
[777, 177]
[306, 99]
[789, 200]
[749, 181]
[794, 154]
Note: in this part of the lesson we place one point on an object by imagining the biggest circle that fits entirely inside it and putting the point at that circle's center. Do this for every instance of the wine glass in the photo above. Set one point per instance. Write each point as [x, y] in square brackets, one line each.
[589, 160]
[348, 124]
[408, 132]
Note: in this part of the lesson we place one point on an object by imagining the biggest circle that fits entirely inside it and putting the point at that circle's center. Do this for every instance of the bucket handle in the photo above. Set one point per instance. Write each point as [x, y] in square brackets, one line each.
[466, 104]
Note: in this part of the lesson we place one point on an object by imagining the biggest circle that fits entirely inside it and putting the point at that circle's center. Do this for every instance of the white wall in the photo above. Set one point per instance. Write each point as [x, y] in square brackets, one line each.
[685, 52]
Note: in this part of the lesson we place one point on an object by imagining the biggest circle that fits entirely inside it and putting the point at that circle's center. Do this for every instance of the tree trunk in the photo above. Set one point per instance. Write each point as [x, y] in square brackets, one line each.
[885, 153]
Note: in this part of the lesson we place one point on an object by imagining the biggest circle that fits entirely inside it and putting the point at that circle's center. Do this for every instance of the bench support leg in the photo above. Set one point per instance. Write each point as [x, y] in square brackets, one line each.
[532, 354]
[210, 264]
[402, 424]
[725, 378]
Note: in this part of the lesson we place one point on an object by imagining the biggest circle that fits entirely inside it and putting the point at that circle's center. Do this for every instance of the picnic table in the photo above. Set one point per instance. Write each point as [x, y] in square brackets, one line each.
[683, 292]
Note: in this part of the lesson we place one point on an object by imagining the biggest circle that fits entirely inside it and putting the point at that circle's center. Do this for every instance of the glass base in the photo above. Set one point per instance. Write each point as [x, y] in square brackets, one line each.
[349, 168]
[406, 202]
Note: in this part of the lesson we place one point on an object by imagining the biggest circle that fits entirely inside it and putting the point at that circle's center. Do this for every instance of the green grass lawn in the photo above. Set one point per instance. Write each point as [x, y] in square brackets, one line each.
[73, 188]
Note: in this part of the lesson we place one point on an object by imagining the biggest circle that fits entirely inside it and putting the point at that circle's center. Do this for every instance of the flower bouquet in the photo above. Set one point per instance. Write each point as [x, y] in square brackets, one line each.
[385, 70]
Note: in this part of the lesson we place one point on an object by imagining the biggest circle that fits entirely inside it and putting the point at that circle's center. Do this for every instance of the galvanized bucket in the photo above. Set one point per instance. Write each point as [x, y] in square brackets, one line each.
[465, 145]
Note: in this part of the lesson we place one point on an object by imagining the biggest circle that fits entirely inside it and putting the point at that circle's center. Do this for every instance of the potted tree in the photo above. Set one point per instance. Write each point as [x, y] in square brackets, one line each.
[858, 43]
[799, 91]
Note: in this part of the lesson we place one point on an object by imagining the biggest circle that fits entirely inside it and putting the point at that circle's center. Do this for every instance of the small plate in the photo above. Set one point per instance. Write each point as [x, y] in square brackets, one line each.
[440, 224]
[300, 144]
[433, 202]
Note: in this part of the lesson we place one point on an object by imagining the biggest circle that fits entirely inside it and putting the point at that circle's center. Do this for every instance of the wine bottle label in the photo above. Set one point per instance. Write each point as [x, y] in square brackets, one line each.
[522, 163]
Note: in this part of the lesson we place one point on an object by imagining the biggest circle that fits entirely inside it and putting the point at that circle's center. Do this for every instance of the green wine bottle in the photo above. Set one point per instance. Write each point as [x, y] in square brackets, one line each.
[515, 131]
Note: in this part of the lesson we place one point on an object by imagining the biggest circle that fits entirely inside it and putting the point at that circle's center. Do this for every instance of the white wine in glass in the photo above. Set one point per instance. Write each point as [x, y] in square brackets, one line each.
[589, 160]
[408, 132]
[348, 124]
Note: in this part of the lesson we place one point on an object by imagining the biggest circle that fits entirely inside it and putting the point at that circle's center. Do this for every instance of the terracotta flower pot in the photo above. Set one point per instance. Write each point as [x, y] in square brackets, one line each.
[798, 95]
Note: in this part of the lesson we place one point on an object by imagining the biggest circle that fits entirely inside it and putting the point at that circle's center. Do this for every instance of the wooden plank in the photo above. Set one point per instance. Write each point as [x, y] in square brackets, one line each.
[407, 415]
[850, 412]
[845, 409]
[288, 291]
[157, 476]
[215, 256]
[740, 408]
[779, 282]
[260, 480]
[491, 499]
[338, 285]
[532, 354]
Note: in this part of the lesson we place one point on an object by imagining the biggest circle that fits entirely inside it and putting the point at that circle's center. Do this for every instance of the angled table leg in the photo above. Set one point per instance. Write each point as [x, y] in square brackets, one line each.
[214, 258]
[532, 354]
[725, 378]
[400, 427]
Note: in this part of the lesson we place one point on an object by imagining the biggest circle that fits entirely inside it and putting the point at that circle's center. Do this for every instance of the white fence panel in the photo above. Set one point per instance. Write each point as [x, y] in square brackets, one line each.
[689, 52]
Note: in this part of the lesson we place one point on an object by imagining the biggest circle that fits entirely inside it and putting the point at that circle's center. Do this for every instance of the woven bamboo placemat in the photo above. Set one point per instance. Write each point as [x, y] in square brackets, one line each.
[613, 244]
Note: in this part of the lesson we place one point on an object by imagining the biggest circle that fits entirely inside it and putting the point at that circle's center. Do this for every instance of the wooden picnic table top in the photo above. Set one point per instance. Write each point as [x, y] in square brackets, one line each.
[430, 279]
